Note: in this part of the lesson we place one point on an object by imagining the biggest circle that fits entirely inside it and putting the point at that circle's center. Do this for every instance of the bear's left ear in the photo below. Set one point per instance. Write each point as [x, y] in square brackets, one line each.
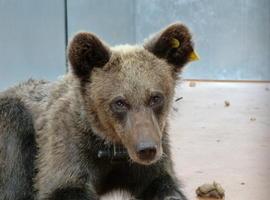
[85, 52]
[174, 44]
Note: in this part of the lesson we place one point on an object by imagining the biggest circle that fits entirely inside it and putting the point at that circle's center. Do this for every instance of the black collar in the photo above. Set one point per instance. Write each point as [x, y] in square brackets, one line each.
[115, 153]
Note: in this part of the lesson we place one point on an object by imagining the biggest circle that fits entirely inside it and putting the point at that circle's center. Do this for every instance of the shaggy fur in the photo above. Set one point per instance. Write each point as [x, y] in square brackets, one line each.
[111, 96]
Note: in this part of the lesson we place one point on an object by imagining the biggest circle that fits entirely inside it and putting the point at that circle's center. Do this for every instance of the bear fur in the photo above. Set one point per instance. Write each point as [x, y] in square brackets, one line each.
[52, 133]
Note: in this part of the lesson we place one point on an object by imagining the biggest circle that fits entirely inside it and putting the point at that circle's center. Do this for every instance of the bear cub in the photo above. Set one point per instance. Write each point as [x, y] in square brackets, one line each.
[101, 127]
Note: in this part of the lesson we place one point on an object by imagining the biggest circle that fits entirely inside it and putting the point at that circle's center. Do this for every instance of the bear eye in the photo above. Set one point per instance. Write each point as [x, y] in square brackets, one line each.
[119, 105]
[156, 100]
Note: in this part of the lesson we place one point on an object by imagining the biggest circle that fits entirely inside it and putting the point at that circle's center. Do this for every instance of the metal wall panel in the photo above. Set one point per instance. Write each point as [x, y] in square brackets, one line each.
[232, 37]
[32, 40]
[111, 20]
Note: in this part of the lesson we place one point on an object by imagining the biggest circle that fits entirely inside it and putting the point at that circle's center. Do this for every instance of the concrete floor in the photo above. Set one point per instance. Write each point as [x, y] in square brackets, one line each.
[226, 144]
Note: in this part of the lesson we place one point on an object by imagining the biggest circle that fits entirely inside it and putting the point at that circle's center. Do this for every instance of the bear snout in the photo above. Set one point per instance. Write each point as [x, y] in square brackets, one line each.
[146, 150]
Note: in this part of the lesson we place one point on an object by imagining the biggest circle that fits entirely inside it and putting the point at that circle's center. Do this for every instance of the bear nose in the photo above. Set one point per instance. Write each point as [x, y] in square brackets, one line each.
[146, 151]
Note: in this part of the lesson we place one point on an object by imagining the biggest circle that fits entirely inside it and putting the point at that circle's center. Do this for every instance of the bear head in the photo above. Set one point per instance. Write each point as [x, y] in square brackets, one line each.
[128, 90]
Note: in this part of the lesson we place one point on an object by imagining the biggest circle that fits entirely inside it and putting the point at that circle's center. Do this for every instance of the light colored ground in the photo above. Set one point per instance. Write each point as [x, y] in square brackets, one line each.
[230, 145]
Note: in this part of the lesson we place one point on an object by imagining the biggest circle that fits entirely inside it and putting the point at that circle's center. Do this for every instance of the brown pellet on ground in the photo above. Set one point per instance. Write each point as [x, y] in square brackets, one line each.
[252, 119]
[227, 103]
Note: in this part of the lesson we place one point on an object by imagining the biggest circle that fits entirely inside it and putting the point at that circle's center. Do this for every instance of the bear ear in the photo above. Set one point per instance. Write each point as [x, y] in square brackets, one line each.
[174, 44]
[85, 52]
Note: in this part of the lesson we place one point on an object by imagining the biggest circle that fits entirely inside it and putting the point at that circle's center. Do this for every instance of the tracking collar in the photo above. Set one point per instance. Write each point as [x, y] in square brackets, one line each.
[114, 153]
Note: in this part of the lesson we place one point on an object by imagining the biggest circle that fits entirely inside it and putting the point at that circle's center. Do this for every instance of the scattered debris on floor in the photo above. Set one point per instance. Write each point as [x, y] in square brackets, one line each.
[192, 84]
[252, 119]
[213, 190]
[175, 109]
[243, 183]
[178, 99]
[199, 172]
[227, 103]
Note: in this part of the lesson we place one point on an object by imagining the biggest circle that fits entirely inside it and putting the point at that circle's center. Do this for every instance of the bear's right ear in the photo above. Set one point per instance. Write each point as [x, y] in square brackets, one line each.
[85, 52]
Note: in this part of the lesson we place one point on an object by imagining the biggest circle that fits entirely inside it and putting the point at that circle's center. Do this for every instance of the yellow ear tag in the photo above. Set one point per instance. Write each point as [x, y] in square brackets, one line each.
[194, 56]
[175, 43]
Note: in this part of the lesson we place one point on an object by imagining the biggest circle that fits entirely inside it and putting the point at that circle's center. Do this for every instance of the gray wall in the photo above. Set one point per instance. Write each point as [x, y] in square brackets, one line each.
[32, 40]
[232, 37]
[112, 20]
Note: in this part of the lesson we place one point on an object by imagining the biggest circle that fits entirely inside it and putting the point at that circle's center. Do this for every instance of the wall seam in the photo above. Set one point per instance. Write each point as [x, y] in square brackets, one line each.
[134, 21]
[66, 32]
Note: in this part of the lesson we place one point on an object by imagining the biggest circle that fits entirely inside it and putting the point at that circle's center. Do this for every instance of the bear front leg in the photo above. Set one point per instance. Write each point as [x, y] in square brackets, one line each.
[71, 193]
[162, 188]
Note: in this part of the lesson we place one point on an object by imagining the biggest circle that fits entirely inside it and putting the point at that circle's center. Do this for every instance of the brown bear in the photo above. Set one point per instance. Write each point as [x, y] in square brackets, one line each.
[102, 127]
